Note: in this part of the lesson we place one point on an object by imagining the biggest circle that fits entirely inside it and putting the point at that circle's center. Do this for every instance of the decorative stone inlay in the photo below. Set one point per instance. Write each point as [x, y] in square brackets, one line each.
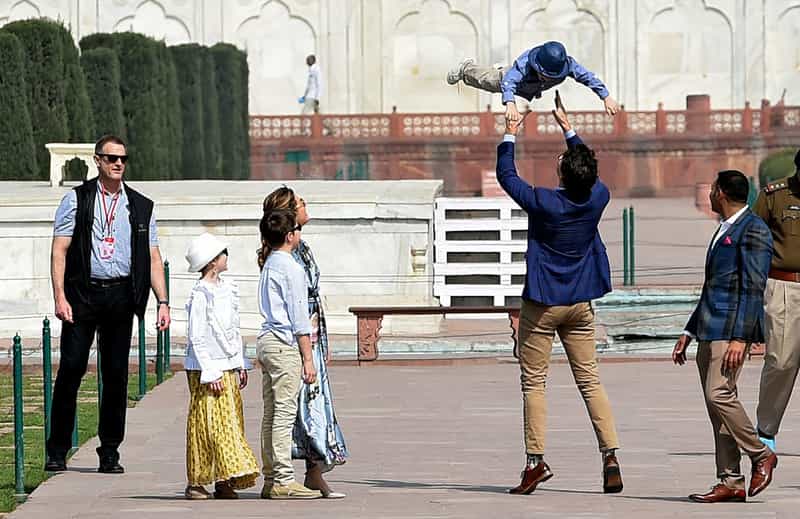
[369, 327]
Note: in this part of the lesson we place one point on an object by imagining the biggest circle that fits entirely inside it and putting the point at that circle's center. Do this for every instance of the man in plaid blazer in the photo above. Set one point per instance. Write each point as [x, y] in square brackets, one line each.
[728, 319]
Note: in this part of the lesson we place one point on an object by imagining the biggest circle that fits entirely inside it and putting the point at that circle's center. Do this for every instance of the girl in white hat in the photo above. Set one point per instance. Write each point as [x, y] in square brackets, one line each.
[216, 449]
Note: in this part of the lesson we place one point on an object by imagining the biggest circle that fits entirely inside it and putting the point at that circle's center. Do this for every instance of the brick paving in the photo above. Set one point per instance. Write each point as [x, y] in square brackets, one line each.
[446, 441]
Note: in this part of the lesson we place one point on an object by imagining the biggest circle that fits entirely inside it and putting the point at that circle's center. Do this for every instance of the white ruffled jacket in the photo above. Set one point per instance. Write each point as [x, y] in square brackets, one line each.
[214, 339]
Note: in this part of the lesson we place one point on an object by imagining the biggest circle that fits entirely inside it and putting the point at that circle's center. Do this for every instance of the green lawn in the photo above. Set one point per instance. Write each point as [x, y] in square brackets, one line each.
[34, 427]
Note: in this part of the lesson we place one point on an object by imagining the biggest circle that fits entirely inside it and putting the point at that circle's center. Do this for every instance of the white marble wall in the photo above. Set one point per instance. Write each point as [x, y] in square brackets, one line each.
[379, 53]
[362, 234]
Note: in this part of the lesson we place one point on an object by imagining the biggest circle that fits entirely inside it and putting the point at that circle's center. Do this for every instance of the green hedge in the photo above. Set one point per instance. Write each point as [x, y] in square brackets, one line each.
[231, 79]
[173, 124]
[776, 166]
[101, 71]
[211, 117]
[140, 73]
[43, 46]
[17, 152]
[189, 66]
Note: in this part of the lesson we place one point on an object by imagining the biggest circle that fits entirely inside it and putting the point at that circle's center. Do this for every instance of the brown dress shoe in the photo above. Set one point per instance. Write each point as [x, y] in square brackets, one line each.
[720, 494]
[532, 477]
[224, 490]
[762, 474]
[612, 476]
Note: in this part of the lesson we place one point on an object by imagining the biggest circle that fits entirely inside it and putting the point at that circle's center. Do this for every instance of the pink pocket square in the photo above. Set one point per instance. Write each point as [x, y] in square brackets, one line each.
[727, 241]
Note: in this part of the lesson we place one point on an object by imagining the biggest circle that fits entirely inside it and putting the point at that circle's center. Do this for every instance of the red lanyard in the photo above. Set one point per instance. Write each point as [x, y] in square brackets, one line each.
[108, 214]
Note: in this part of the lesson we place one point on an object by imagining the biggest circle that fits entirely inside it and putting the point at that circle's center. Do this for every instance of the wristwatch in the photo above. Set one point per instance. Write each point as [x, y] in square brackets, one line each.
[163, 302]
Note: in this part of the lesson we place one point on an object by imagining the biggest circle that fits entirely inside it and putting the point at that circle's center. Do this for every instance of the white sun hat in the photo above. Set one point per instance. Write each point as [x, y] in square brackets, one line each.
[202, 250]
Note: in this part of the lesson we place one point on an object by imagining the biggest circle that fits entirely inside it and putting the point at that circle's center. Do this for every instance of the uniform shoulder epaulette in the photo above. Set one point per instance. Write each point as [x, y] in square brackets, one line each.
[776, 186]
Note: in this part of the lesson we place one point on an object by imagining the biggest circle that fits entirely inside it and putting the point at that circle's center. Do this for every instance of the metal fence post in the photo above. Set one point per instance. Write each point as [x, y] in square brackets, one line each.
[47, 375]
[632, 242]
[19, 430]
[142, 361]
[625, 252]
[167, 347]
[159, 356]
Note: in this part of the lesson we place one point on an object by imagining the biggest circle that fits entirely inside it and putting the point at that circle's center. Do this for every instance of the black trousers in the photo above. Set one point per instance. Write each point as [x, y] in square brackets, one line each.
[109, 314]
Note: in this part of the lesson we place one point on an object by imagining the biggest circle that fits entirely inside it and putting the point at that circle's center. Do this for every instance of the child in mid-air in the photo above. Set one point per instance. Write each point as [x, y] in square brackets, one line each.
[535, 71]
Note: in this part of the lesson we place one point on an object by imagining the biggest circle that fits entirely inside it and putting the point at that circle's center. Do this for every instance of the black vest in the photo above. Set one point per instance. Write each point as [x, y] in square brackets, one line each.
[78, 265]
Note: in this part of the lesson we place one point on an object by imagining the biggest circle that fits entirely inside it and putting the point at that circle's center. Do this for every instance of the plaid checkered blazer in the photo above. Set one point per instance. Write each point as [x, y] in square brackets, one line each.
[731, 305]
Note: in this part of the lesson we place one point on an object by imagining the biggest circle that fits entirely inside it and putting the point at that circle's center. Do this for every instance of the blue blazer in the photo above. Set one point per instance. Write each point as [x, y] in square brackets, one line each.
[566, 259]
[731, 304]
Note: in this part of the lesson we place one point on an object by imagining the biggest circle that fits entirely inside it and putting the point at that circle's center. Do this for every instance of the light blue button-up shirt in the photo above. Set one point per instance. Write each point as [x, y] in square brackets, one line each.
[283, 298]
[119, 265]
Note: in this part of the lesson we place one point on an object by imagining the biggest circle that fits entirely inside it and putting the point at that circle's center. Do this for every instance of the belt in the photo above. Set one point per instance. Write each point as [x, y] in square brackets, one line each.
[784, 275]
[111, 282]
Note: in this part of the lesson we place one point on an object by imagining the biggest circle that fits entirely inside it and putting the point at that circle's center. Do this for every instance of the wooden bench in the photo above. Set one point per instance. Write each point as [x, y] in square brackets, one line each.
[370, 319]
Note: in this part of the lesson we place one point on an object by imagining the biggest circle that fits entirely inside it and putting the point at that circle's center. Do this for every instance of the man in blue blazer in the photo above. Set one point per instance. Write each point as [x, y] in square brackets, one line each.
[567, 267]
[729, 318]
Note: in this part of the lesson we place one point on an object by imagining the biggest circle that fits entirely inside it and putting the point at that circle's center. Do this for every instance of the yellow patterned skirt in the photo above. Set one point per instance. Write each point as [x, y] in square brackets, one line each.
[216, 447]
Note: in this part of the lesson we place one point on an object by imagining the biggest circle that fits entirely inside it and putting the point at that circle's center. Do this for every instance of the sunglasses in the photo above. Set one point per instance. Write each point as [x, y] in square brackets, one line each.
[112, 159]
[297, 227]
[224, 251]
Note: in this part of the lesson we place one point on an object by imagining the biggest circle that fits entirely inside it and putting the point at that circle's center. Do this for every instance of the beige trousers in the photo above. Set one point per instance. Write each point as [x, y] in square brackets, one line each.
[484, 78]
[311, 106]
[281, 367]
[782, 360]
[575, 326]
[733, 430]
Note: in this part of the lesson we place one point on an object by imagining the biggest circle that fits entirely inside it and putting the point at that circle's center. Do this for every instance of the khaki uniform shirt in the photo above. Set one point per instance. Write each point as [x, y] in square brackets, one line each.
[778, 204]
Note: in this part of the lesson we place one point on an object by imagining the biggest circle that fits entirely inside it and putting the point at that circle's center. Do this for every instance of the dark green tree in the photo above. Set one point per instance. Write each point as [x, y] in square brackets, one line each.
[43, 45]
[171, 112]
[211, 120]
[17, 154]
[232, 94]
[245, 114]
[101, 70]
[189, 67]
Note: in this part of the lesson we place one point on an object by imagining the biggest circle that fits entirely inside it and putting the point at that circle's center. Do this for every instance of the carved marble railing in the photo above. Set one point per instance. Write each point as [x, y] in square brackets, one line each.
[697, 119]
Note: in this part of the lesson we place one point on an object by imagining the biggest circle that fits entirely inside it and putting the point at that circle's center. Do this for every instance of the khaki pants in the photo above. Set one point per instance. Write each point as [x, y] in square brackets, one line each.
[281, 367]
[782, 360]
[484, 78]
[575, 326]
[733, 430]
[311, 106]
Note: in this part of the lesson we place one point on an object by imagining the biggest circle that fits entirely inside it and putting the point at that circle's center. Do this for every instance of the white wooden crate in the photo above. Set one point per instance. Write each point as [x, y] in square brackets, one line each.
[498, 216]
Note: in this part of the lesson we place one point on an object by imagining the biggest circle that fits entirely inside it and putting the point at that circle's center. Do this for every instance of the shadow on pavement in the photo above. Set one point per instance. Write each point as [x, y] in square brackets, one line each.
[387, 483]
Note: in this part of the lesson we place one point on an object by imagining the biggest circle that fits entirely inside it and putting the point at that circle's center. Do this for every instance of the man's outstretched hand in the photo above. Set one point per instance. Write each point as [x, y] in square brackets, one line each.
[560, 114]
[512, 127]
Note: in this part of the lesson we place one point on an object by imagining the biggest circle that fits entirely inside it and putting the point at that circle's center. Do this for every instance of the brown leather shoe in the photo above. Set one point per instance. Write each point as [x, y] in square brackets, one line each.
[532, 477]
[720, 494]
[762, 474]
[224, 490]
[612, 476]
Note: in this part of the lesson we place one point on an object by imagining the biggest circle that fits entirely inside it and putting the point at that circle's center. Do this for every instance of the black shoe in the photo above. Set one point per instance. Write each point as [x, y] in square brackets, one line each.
[54, 464]
[110, 466]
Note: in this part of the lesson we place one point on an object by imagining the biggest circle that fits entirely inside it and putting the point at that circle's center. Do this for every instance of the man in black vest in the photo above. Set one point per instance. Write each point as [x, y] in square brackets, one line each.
[105, 259]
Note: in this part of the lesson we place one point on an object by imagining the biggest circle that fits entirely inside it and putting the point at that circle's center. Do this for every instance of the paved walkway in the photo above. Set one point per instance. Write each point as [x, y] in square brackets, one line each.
[446, 441]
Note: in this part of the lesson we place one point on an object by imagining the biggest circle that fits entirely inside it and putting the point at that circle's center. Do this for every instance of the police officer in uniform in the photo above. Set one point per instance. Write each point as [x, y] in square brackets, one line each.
[779, 205]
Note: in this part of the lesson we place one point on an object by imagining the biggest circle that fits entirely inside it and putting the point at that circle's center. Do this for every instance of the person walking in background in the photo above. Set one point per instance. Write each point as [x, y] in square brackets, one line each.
[284, 351]
[779, 206]
[567, 267]
[105, 259]
[313, 93]
[536, 70]
[728, 319]
[216, 448]
[317, 437]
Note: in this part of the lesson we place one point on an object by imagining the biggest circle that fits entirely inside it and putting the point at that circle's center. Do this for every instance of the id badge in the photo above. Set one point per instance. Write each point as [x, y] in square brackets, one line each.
[107, 248]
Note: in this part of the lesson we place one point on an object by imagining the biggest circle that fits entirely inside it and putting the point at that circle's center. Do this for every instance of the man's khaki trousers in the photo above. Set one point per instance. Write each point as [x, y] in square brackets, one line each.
[782, 359]
[281, 368]
[733, 430]
[484, 78]
[575, 326]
